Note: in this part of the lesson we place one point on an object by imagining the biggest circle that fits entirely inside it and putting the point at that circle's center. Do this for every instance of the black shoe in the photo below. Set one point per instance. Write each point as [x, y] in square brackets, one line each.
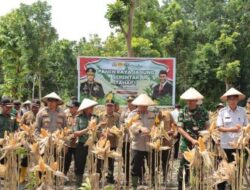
[67, 183]
[111, 181]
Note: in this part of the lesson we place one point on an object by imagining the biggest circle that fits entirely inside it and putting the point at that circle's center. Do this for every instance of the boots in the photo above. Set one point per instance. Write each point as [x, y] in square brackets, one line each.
[78, 180]
[23, 172]
[134, 182]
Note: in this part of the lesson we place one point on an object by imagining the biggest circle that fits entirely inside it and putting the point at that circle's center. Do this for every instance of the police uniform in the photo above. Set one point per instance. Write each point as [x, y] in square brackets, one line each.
[71, 145]
[139, 147]
[168, 121]
[91, 88]
[126, 140]
[111, 121]
[28, 118]
[48, 119]
[192, 121]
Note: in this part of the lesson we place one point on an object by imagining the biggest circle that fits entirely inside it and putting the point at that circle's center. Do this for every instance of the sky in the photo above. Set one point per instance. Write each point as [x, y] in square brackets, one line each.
[73, 19]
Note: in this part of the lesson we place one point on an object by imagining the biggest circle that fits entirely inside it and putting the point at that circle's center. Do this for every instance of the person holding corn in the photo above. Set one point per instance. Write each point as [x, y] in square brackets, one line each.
[192, 119]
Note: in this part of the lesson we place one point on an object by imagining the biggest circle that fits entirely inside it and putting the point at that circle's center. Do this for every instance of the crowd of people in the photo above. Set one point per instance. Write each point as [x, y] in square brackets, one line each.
[182, 127]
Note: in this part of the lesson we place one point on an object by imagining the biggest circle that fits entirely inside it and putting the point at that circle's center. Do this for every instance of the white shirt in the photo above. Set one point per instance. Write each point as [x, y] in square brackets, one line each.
[229, 118]
[175, 114]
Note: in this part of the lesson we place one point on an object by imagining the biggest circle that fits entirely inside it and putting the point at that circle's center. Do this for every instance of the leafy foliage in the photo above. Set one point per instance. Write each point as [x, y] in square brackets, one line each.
[210, 40]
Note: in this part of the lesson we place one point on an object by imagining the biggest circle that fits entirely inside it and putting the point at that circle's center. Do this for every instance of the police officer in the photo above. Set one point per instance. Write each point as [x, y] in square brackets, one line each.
[126, 140]
[110, 118]
[29, 117]
[7, 122]
[51, 117]
[91, 88]
[192, 119]
[140, 137]
[168, 122]
[71, 146]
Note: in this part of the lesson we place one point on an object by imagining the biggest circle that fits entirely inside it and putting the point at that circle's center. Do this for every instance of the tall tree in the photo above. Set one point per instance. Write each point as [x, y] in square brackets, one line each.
[121, 14]
[25, 35]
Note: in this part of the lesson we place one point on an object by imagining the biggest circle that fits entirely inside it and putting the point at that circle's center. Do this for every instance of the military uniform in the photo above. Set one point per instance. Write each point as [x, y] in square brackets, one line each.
[192, 121]
[7, 123]
[111, 121]
[49, 120]
[92, 89]
[82, 122]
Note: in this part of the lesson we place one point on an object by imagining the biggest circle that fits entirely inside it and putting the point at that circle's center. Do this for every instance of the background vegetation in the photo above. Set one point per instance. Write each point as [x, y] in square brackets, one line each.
[210, 40]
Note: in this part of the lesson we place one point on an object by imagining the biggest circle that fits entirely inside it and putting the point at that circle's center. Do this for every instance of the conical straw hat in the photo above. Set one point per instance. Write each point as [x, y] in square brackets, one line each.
[191, 94]
[86, 103]
[232, 92]
[27, 102]
[143, 100]
[52, 95]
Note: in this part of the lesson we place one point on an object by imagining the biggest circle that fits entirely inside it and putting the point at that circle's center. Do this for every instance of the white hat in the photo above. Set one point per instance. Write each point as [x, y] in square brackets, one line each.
[52, 95]
[232, 92]
[27, 102]
[86, 103]
[191, 94]
[143, 100]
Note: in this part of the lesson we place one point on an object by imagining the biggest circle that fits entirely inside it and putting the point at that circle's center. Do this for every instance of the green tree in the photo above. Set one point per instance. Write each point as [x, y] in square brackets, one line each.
[62, 59]
[121, 14]
[25, 35]
[93, 47]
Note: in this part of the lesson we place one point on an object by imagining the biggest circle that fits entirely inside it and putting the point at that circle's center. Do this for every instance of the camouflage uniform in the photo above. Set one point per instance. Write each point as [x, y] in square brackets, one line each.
[192, 122]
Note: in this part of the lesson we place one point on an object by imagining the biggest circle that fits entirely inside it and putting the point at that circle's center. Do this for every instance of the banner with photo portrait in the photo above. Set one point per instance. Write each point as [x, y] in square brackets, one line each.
[120, 77]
